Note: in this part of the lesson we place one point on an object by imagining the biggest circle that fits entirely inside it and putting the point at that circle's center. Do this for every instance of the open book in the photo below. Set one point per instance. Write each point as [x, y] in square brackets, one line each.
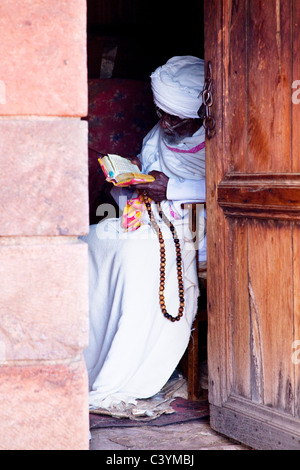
[121, 171]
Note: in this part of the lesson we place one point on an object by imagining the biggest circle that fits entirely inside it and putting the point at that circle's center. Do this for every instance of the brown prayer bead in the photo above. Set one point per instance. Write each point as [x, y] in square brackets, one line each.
[163, 260]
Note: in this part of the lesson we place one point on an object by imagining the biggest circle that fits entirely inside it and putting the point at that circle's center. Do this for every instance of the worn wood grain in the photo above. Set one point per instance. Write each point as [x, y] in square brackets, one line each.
[253, 207]
[239, 314]
[270, 290]
[215, 171]
[269, 85]
[236, 116]
[272, 195]
[295, 347]
[255, 425]
[295, 88]
[296, 168]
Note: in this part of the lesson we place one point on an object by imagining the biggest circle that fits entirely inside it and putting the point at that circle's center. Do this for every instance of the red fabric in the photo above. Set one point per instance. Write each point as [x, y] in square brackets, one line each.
[121, 112]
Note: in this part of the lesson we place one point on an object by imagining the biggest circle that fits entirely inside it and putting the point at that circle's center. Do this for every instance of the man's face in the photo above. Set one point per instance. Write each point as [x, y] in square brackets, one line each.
[176, 129]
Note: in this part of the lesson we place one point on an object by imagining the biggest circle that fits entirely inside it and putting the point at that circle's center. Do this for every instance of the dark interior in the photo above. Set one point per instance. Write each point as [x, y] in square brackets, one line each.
[140, 35]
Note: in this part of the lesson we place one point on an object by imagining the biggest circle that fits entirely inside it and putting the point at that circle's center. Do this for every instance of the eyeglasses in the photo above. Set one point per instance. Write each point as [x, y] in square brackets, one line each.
[171, 122]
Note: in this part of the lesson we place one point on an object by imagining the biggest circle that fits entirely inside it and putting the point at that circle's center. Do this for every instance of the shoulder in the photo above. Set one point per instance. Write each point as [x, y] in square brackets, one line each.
[153, 135]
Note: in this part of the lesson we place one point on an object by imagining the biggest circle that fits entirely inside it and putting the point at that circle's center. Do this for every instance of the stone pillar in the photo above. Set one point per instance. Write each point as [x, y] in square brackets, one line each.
[43, 210]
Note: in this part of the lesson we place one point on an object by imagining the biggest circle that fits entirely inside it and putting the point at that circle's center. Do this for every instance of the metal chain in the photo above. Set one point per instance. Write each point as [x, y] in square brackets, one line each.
[209, 122]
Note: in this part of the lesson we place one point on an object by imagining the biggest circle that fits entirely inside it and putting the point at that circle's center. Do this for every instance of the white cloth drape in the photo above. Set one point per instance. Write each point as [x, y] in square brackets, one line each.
[133, 349]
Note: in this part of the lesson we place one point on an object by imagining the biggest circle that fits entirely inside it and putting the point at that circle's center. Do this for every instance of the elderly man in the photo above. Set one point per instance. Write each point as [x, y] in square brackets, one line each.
[143, 280]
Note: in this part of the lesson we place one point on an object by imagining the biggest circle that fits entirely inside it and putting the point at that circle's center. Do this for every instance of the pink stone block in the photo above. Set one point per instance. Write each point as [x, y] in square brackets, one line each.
[44, 177]
[44, 407]
[43, 299]
[43, 67]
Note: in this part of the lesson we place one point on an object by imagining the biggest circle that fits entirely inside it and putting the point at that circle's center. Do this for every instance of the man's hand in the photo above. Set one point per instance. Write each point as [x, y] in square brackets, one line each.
[157, 190]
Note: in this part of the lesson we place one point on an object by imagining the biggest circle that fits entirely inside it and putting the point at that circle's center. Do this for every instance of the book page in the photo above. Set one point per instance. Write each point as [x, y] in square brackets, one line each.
[122, 165]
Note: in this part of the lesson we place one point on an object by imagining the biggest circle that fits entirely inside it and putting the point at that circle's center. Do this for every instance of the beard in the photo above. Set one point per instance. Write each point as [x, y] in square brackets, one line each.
[172, 138]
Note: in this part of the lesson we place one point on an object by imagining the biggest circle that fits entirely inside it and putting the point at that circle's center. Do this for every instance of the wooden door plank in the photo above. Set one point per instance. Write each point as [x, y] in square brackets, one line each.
[216, 233]
[239, 308]
[271, 305]
[256, 425]
[296, 168]
[237, 86]
[269, 85]
[295, 91]
[272, 195]
[295, 349]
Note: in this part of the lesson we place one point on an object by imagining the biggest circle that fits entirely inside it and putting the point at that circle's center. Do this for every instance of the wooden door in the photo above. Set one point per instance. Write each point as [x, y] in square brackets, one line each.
[253, 221]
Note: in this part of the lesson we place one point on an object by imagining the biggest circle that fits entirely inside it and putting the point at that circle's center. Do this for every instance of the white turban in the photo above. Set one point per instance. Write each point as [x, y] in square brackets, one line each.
[177, 85]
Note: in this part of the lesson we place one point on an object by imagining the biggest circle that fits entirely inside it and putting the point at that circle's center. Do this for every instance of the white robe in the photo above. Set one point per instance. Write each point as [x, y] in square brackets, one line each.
[133, 349]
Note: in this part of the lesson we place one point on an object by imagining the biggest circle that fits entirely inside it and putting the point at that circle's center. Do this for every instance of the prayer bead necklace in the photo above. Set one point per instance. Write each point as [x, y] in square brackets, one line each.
[163, 260]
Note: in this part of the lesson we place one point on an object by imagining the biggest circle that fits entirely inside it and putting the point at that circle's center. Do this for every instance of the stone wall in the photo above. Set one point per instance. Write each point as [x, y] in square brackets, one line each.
[43, 209]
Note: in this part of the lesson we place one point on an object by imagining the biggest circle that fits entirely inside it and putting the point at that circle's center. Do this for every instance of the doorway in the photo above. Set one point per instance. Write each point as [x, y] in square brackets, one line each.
[127, 40]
